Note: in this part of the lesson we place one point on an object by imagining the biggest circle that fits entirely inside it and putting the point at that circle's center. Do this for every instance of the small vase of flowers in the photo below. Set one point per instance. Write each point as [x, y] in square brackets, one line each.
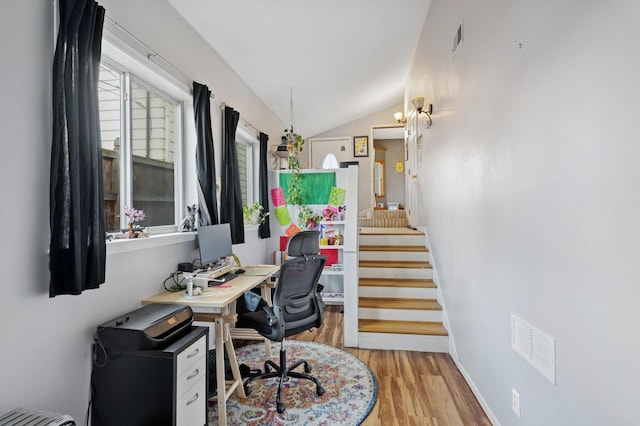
[134, 217]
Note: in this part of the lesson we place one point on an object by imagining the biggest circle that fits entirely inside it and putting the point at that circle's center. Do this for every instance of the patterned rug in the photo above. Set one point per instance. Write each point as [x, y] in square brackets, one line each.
[350, 389]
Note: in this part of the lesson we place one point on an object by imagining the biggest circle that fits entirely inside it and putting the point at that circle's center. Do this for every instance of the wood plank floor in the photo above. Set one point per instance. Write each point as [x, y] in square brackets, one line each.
[414, 388]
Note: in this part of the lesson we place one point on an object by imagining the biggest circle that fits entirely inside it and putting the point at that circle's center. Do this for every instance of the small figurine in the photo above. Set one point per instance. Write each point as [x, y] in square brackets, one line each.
[189, 222]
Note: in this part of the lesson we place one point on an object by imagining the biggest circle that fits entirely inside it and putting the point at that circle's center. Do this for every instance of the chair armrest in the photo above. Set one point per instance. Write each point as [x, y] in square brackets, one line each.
[272, 318]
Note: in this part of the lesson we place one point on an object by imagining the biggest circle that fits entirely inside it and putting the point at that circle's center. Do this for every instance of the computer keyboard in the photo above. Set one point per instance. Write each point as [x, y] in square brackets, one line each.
[221, 279]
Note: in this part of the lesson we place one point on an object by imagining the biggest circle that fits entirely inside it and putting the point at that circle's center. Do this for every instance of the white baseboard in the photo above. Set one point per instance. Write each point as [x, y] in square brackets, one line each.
[453, 352]
[483, 403]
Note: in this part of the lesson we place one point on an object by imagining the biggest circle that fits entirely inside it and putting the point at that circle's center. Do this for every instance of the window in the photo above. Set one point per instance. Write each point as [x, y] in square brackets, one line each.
[330, 162]
[247, 147]
[141, 137]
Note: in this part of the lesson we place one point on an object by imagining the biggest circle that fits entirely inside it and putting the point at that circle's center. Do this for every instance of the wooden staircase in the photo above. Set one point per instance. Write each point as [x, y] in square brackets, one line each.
[384, 219]
[397, 302]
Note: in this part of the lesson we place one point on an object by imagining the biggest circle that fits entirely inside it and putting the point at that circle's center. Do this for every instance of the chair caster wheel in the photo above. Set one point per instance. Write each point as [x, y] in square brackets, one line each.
[320, 390]
[280, 407]
[247, 390]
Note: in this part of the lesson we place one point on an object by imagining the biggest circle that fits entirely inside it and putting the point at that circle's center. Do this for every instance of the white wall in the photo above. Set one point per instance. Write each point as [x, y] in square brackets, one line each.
[45, 359]
[529, 192]
[360, 128]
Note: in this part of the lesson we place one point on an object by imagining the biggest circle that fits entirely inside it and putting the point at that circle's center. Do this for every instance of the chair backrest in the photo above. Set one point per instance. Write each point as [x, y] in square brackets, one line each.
[296, 300]
[304, 243]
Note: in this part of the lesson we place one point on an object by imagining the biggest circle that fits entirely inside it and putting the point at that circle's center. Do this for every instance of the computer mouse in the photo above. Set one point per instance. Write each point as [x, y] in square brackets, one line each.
[239, 271]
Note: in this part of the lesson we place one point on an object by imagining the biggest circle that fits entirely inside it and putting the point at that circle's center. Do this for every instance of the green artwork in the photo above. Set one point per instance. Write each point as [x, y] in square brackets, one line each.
[283, 216]
[336, 197]
[317, 186]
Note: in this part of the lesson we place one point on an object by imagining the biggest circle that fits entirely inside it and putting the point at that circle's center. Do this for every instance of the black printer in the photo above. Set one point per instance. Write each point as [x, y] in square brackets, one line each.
[150, 368]
[148, 327]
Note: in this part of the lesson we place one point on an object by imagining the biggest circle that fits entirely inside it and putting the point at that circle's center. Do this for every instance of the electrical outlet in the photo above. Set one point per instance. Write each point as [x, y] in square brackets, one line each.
[515, 402]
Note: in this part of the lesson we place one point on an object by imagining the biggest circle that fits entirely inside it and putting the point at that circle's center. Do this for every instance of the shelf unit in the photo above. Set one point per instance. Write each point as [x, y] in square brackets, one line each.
[341, 287]
[333, 280]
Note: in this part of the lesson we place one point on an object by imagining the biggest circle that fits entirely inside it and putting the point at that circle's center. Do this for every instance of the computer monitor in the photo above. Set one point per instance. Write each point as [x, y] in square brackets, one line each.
[214, 244]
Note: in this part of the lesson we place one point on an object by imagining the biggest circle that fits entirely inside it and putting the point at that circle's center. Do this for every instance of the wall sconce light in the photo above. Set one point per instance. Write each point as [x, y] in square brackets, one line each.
[418, 103]
[400, 118]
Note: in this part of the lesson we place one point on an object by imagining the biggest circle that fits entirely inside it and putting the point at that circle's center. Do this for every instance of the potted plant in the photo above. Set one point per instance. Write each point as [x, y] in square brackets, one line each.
[254, 214]
[295, 142]
[307, 219]
[134, 217]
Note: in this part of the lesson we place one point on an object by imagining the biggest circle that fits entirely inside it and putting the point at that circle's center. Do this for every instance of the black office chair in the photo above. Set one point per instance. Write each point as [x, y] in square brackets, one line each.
[296, 307]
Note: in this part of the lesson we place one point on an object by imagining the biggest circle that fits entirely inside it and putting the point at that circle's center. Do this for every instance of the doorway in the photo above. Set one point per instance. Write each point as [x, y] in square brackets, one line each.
[323, 151]
[388, 167]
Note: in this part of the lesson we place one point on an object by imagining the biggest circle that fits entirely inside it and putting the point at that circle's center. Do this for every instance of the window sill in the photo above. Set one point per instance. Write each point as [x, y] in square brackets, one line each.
[126, 245]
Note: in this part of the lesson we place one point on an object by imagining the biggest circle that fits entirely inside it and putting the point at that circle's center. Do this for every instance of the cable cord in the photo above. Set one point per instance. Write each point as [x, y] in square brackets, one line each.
[178, 282]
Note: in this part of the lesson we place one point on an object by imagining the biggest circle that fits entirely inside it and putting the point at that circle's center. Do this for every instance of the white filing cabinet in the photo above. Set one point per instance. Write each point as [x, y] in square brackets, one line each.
[165, 386]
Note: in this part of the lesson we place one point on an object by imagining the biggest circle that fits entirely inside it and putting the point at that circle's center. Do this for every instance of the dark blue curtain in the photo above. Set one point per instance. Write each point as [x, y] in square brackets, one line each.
[264, 231]
[77, 251]
[205, 156]
[230, 192]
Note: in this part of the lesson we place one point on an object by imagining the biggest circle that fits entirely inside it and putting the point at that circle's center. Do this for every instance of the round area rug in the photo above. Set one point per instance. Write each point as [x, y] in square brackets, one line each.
[350, 389]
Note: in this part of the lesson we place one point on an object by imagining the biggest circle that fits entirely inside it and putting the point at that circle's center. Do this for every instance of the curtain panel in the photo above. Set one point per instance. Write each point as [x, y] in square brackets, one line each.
[230, 192]
[205, 156]
[263, 230]
[77, 251]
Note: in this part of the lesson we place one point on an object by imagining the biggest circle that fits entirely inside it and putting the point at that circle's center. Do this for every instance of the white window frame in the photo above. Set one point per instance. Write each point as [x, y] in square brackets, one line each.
[246, 139]
[122, 61]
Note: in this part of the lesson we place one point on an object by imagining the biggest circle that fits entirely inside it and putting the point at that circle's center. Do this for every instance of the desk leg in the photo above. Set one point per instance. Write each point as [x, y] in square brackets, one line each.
[224, 342]
[231, 317]
[265, 291]
[220, 379]
[231, 352]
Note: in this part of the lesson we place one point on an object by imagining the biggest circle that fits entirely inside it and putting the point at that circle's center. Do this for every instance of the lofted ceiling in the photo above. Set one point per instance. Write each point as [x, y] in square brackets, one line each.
[342, 60]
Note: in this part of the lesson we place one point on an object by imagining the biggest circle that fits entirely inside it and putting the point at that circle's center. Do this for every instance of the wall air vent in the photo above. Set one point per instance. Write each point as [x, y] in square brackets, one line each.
[457, 38]
[537, 347]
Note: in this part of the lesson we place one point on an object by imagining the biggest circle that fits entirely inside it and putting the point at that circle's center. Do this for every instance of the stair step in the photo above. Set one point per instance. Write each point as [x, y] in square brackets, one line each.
[391, 231]
[402, 327]
[408, 264]
[399, 303]
[397, 282]
[399, 292]
[383, 222]
[394, 255]
[391, 238]
[389, 213]
[403, 342]
[392, 248]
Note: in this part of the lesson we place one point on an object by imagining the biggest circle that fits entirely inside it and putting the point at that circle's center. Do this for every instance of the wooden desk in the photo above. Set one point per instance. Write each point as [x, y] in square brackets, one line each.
[219, 306]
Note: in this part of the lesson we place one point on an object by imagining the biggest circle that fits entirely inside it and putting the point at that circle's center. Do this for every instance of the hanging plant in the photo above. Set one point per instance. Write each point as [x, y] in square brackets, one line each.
[295, 143]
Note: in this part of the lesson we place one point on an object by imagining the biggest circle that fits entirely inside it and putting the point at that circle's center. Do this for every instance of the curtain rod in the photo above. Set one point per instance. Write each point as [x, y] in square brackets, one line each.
[151, 54]
[244, 122]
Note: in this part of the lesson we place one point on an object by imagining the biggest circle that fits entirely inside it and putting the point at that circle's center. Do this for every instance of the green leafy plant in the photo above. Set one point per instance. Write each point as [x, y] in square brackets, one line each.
[307, 219]
[295, 143]
[254, 214]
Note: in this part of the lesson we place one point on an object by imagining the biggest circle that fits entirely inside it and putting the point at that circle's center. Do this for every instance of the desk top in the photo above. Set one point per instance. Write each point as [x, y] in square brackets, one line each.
[216, 297]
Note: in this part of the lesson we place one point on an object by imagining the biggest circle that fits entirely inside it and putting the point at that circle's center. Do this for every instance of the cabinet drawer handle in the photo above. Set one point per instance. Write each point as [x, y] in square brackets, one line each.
[196, 352]
[195, 373]
[194, 399]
